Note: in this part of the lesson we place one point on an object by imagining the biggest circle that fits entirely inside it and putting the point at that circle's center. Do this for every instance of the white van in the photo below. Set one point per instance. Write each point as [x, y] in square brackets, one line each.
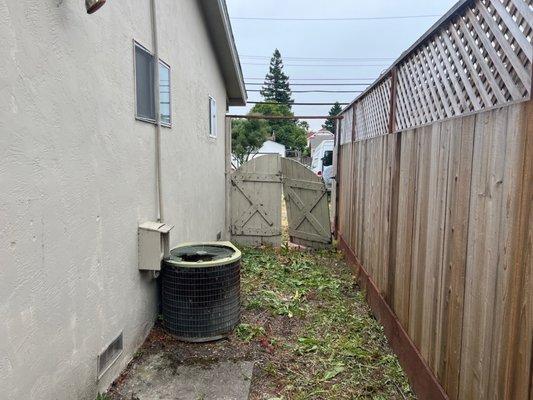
[318, 155]
[322, 162]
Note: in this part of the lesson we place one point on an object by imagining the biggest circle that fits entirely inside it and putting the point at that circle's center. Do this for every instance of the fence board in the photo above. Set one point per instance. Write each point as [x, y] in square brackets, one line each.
[484, 251]
[454, 254]
[405, 225]
[512, 362]
[420, 238]
[436, 231]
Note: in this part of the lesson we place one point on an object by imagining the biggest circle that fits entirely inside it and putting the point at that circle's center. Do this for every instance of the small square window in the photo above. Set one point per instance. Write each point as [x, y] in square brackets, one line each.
[144, 88]
[212, 117]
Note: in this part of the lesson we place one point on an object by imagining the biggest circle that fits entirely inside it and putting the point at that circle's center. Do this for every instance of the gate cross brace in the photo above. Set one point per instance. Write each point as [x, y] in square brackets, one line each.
[255, 206]
[305, 212]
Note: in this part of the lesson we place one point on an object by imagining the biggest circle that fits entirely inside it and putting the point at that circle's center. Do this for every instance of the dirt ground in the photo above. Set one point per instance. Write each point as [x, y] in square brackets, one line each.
[306, 327]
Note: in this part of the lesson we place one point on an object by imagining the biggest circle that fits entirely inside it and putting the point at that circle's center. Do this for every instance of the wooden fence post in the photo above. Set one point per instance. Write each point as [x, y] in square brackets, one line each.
[392, 108]
[338, 123]
[227, 172]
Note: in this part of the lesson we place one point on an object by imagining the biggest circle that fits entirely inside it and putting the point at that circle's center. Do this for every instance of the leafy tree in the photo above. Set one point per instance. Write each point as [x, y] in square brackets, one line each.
[247, 136]
[292, 136]
[277, 110]
[287, 132]
[330, 122]
[304, 125]
[276, 87]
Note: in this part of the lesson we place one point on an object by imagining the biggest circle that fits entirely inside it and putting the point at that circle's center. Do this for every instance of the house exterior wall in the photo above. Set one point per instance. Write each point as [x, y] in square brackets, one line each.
[77, 174]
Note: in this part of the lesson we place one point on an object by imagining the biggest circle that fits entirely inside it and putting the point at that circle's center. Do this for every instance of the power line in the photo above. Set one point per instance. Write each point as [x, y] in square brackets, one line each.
[314, 91]
[337, 19]
[322, 58]
[297, 104]
[316, 84]
[284, 117]
[322, 65]
[318, 79]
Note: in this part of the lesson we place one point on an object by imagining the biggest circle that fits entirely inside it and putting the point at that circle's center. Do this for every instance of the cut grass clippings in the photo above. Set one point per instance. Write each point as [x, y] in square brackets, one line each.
[305, 309]
[305, 325]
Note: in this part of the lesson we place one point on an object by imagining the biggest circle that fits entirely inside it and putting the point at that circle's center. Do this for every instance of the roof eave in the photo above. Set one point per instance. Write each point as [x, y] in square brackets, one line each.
[219, 27]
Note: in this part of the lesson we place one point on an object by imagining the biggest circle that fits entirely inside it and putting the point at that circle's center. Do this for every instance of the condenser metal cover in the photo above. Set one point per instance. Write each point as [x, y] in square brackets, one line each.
[201, 291]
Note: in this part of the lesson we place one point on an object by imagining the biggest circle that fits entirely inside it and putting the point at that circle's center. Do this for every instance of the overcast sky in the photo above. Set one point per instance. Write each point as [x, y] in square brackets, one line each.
[382, 40]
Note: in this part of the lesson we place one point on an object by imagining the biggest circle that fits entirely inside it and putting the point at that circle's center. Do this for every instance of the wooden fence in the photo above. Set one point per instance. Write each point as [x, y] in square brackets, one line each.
[435, 198]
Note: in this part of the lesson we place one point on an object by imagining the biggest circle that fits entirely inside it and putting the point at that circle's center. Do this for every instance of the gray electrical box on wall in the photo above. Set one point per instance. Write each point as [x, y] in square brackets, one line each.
[154, 239]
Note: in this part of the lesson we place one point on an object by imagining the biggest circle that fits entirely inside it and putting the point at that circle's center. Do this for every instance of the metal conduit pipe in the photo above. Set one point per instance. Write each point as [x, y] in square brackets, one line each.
[155, 44]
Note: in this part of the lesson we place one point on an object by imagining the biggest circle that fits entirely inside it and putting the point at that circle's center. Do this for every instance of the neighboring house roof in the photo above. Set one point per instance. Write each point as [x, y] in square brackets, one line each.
[271, 147]
[219, 26]
[321, 132]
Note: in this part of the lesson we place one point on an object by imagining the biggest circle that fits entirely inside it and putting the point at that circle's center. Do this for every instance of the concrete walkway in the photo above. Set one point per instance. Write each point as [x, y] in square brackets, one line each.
[158, 378]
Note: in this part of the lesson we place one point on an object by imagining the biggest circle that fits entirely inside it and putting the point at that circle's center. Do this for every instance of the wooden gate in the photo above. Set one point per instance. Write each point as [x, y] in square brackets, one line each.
[307, 205]
[256, 202]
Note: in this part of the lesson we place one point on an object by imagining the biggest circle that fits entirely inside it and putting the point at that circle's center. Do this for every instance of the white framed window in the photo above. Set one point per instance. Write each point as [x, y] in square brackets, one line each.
[212, 117]
[165, 105]
[144, 87]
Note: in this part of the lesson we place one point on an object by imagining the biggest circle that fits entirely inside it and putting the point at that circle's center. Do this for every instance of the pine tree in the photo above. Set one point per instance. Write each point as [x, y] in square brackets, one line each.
[276, 87]
[330, 122]
[248, 137]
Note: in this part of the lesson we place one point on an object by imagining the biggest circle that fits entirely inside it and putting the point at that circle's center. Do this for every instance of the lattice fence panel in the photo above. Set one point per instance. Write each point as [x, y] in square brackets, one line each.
[346, 126]
[372, 112]
[480, 59]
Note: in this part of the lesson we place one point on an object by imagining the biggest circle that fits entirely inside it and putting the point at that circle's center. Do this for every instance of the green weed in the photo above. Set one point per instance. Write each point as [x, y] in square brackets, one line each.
[339, 350]
[248, 332]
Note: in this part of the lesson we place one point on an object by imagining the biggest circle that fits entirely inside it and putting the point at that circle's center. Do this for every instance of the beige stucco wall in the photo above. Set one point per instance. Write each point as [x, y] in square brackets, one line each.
[77, 175]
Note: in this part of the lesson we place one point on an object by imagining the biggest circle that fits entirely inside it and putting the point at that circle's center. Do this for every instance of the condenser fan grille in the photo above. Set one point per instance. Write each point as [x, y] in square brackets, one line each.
[201, 253]
[201, 292]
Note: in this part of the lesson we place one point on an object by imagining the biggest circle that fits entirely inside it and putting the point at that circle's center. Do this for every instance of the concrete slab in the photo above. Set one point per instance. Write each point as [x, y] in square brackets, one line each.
[159, 378]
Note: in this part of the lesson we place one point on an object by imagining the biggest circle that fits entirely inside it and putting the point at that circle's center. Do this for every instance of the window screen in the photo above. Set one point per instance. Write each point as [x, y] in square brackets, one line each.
[212, 117]
[164, 93]
[144, 84]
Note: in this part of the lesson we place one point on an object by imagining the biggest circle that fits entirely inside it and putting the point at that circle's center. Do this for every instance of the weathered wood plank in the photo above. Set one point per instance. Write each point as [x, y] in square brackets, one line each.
[394, 156]
[420, 238]
[454, 253]
[434, 202]
[511, 368]
[405, 228]
[436, 233]
[354, 196]
[485, 252]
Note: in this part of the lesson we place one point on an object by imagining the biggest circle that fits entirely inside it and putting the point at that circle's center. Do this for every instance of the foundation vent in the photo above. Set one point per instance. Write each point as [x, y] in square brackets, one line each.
[108, 357]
